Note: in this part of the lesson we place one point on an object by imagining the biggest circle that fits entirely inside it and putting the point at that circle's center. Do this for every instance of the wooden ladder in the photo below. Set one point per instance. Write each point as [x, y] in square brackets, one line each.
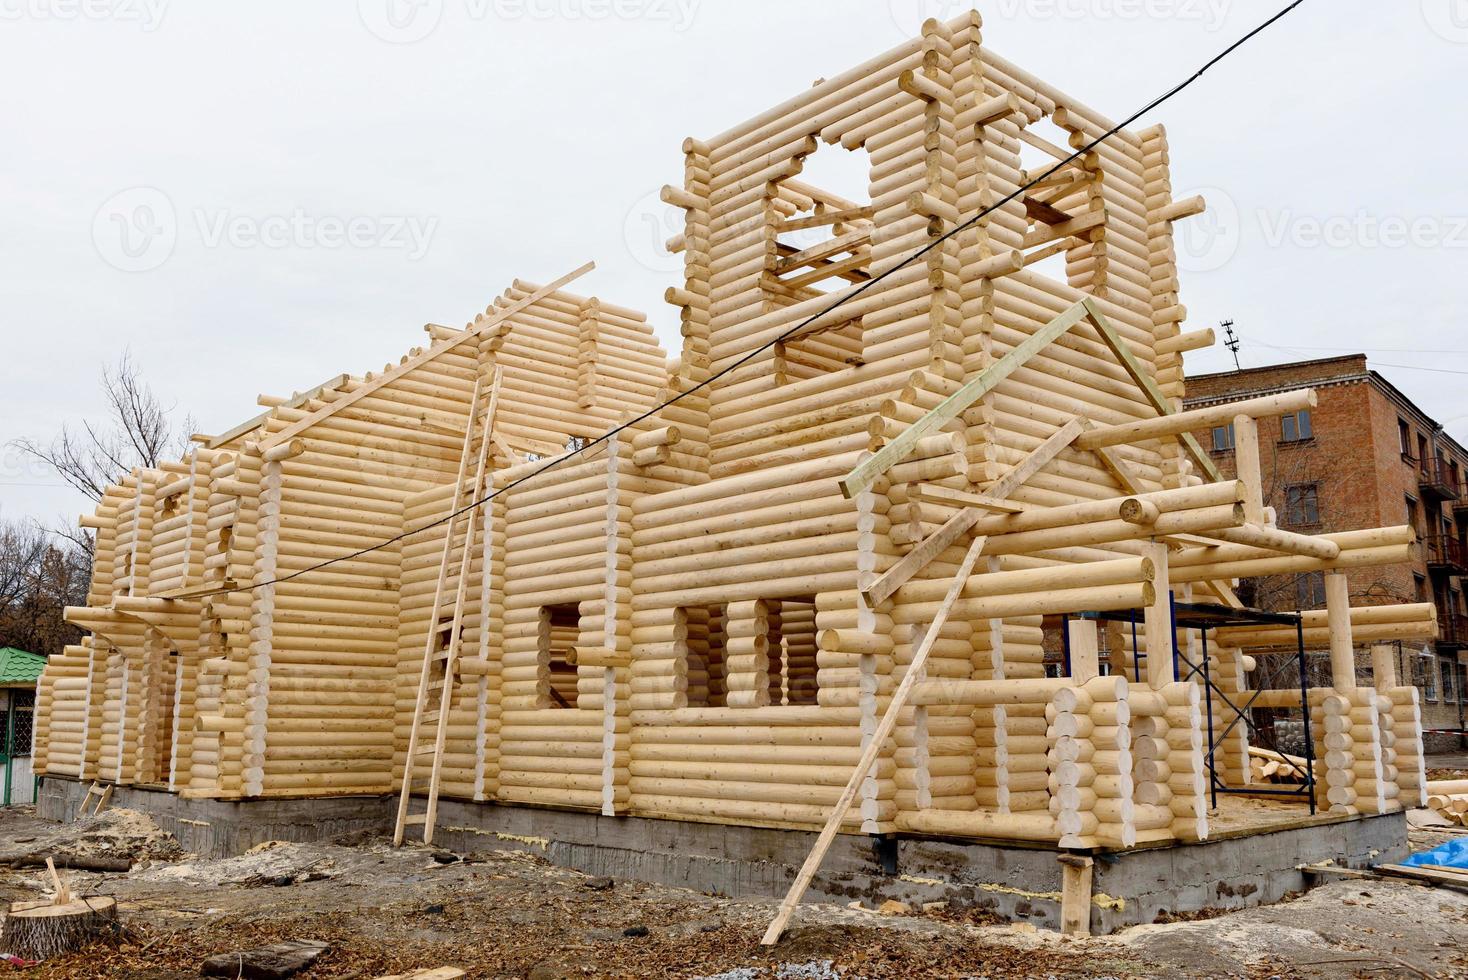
[98, 792]
[440, 662]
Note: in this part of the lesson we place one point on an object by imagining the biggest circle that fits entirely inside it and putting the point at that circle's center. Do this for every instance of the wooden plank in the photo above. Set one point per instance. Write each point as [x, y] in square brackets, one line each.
[866, 473]
[1154, 395]
[921, 556]
[874, 747]
[245, 428]
[956, 526]
[823, 250]
[1038, 458]
[947, 496]
[412, 363]
[1449, 879]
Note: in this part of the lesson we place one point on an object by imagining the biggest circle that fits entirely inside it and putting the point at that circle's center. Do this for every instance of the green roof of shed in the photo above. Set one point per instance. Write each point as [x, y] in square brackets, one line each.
[19, 667]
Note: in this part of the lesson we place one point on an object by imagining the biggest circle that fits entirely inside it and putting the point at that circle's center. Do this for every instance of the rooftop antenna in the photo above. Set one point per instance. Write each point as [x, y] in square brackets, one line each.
[1231, 341]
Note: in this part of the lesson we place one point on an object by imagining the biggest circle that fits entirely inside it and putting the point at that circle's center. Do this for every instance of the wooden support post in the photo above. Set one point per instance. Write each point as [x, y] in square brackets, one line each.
[1384, 667]
[1157, 619]
[873, 748]
[1075, 894]
[1338, 620]
[1085, 650]
[1246, 461]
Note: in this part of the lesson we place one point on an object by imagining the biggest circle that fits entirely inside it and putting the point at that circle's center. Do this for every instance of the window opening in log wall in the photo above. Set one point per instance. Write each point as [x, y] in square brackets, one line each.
[823, 227]
[1060, 198]
[559, 627]
[703, 648]
[793, 652]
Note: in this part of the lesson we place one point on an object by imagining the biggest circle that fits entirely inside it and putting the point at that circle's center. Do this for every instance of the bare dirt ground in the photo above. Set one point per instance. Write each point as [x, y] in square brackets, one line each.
[512, 914]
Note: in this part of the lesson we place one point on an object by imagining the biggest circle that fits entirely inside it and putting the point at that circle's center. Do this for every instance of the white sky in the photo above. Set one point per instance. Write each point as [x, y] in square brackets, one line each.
[490, 139]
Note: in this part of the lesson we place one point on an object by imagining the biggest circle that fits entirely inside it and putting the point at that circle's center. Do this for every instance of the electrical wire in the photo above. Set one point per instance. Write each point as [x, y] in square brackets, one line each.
[746, 358]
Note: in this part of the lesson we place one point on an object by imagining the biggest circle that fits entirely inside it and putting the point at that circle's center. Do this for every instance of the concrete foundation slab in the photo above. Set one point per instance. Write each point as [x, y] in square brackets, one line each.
[1021, 883]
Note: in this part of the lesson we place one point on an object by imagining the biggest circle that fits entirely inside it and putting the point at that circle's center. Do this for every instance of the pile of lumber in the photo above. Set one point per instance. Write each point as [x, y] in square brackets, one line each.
[1449, 799]
[1277, 767]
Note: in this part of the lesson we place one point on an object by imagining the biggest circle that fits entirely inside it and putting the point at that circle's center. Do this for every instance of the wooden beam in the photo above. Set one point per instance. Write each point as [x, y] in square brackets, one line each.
[866, 473]
[823, 250]
[826, 218]
[1049, 214]
[827, 270]
[1176, 423]
[412, 363]
[1154, 394]
[873, 749]
[1064, 229]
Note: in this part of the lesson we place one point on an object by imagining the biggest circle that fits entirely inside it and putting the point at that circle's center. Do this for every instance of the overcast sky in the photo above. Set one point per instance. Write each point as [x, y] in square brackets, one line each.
[253, 197]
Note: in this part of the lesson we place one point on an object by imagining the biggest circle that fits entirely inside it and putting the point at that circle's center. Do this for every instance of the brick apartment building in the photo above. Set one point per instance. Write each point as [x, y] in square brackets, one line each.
[1366, 456]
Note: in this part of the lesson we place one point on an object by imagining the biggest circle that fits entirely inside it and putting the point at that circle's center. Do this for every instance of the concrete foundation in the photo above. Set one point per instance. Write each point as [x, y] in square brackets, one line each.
[1021, 883]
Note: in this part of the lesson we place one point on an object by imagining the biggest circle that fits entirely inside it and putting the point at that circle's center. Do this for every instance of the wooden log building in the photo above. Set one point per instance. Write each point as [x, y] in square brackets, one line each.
[705, 615]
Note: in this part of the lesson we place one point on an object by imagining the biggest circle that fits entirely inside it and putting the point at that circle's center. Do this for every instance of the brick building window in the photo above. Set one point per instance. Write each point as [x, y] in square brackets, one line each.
[1450, 680]
[1223, 438]
[1412, 515]
[1429, 676]
[1296, 427]
[1419, 587]
[1302, 504]
[1404, 437]
[1310, 590]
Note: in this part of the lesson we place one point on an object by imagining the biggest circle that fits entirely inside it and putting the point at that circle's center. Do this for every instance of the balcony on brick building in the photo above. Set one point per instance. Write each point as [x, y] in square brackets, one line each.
[1438, 479]
[1452, 631]
[1460, 505]
[1445, 554]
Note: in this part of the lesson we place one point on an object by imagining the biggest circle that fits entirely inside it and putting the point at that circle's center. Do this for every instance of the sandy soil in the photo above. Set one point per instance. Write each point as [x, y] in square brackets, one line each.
[511, 914]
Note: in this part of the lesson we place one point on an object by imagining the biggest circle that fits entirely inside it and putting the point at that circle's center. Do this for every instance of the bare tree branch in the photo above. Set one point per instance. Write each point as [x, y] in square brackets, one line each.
[138, 432]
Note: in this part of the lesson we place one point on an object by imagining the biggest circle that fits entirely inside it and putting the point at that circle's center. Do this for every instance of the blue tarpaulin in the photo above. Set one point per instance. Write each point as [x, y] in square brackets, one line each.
[1453, 854]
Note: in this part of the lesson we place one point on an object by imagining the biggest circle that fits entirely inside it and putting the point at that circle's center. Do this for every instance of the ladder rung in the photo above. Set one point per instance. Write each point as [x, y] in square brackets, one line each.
[415, 818]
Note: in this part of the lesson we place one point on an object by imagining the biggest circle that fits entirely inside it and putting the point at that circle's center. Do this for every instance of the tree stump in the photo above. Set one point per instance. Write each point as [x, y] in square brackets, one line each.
[39, 930]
